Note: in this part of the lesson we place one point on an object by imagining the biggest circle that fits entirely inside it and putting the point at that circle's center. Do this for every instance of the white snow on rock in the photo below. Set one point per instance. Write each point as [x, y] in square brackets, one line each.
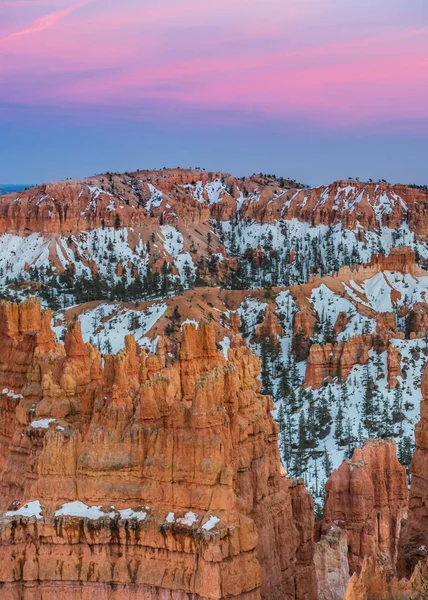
[155, 198]
[225, 345]
[173, 240]
[378, 293]
[128, 513]
[189, 322]
[32, 509]
[170, 517]
[79, 509]
[189, 519]
[211, 523]
[41, 423]
[215, 191]
[185, 266]
[107, 325]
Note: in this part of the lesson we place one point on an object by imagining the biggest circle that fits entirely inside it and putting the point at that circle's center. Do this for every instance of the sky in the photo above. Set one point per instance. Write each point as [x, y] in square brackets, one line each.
[315, 90]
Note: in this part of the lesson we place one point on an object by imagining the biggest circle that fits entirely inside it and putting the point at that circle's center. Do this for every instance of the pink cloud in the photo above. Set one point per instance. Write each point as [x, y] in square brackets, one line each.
[217, 56]
[46, 22]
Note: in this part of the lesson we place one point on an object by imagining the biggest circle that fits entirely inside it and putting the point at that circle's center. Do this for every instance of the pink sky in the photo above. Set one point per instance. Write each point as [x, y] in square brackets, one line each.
[303, 59]
[313, 89]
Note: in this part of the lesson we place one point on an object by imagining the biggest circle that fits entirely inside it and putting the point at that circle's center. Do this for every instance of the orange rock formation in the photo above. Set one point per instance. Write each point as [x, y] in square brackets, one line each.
[414, 542]
[336, 360]
[142, 477]
[367, 496]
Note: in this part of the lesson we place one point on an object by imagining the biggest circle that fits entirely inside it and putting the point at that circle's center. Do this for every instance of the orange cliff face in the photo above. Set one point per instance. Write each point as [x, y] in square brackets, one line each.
[144, 476]
[336, 360]
[192, 197]
[414, 541]
[367, 497]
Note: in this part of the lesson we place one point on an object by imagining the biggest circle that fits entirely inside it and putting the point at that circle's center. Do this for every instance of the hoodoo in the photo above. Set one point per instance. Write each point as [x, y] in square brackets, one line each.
[136, 478]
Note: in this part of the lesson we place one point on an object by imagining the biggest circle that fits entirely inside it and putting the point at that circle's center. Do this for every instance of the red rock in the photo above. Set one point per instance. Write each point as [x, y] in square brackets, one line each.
[336, 360]
[367, 496]
[331, 564]
[414, 539]
[303, 329]
[176, 436]
[270, 327]
[394, 366]
[375, 582]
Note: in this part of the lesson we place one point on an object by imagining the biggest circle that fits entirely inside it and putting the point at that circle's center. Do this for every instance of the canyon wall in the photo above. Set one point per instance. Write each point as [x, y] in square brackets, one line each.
[192, 197]
[146, 476]
[414, 541]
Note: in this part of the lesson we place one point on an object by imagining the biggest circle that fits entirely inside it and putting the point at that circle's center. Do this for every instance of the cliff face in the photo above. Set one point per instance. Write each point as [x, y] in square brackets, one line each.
[414, 542]
[331, 564]
[336, 360]
[375, 581]
[195, 196]
[367, 496]
[148, 476]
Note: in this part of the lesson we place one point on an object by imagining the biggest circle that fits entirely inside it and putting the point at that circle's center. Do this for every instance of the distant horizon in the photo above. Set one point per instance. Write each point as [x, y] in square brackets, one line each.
[21, 186]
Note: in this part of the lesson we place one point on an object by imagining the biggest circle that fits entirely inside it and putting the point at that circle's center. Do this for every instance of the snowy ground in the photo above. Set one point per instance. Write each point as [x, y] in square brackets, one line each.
[346, 398]
[109, 324]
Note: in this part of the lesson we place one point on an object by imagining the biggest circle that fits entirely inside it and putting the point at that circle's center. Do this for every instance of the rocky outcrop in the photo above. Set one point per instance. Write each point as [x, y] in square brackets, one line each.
[303, 328]
[270, 327]
[303, 510]
[414, 542]
[401, 259]
[416, 319]
[393, 366]
[367, 497]
[336, 360]
[331, 564]
[375, 582]
[182, 195]
[148, 476]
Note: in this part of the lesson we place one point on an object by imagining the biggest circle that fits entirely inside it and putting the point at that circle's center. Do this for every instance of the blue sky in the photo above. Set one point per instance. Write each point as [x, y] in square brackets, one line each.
[312, 89]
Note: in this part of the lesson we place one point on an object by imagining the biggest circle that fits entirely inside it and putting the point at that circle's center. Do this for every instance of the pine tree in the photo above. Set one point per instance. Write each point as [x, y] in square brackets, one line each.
[266, 367]
[397, 409]
[344, 395]
[348, 438]
[339, 430]
[328, 467]
[284, 383]
[328, 332]
[280, 419]
[368, 402]
[290, 432]
[323, 413]
[386, 426]
[302, 431]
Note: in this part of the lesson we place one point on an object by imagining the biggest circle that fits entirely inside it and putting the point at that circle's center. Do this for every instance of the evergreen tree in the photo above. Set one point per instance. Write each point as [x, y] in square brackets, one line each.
[397, 409]
[302, 431]
[323, 413]
[339, 431]
[386, 425]
[327, 464]
[266, 367]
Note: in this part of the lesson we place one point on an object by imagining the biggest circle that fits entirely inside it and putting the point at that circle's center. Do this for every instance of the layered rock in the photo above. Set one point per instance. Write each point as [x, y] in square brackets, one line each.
[336, 360]
[331, 564]
[270, 327]
[393, 366]
[375, 582]
[303, 328]
[414, 542]
[184, 195]
[148, 476]
[367, 497]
